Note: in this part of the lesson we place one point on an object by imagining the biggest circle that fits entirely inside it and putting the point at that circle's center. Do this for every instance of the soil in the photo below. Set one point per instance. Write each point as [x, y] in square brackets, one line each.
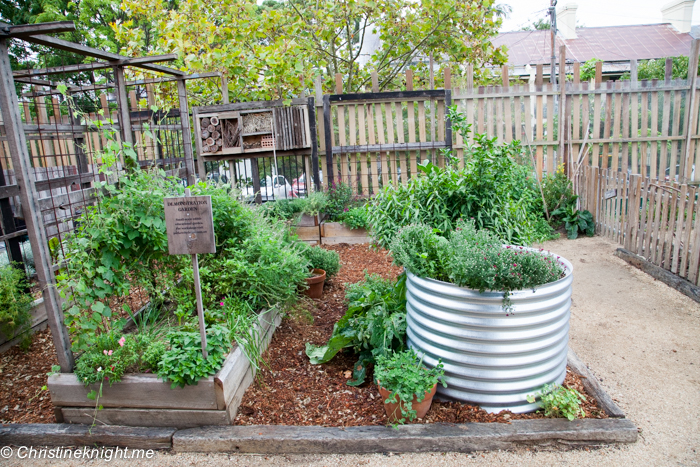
[292, 391]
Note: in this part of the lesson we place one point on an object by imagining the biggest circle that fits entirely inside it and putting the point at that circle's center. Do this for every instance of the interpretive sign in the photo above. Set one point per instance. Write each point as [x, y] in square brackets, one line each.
[190, 225]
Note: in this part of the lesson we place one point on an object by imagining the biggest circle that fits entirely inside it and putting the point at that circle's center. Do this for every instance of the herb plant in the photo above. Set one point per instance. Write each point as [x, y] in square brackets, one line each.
[473, 258]
[320, 258]
[559, 402]
[375, 324]
[493, 188]
[15, 303]
[403, 374]
[355, 218]
[339, 197]
[576, 221]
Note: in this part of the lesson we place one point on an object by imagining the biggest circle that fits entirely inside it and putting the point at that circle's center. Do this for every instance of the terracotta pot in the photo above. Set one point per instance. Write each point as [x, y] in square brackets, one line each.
[315, 284]
[394, 412]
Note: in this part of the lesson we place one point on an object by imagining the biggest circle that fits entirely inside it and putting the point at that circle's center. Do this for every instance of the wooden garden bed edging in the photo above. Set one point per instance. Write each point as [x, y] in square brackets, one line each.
[438, 437]
[147, 401]
[39, 323]
[333, 233]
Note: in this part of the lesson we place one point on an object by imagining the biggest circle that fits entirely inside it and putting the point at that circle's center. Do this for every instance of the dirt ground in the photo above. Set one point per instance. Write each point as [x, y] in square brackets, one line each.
[640, 337]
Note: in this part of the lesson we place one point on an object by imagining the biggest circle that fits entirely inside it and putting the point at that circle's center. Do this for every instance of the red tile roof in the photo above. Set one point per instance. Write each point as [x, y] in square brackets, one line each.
[613, 43]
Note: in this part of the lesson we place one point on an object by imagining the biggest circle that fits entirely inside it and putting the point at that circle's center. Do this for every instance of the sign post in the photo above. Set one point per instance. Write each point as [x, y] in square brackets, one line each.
[189, 222]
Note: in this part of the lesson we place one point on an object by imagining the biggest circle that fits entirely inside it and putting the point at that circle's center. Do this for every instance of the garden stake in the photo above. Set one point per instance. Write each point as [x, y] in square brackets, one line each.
[198, 293]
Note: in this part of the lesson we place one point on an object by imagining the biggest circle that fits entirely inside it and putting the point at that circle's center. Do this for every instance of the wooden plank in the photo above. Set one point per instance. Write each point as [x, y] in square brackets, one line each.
[665, 119]
[694, 249]
[641, 234]
[498, 103]
[658, 202]
[677, 146]
[678, 233]
[539, 133]
[372, 139]
[551, 163]
[617, 124]
[64, 434]
[682, 285]
[136, 391]
[606, 125]
[401, 139]
[625, 163]
[411, 121]
[344, 166]
[362, 158]
[391, 156]
[146, 417]
[671, 227]
[687, 233]
[508, 119]
[441, 129]
[654, 158]
[593, 387]
[644, 160]
[596, 127]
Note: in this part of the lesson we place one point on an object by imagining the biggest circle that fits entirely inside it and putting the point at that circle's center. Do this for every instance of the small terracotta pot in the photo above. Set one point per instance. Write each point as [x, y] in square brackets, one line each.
[394, 412]
[315, 284]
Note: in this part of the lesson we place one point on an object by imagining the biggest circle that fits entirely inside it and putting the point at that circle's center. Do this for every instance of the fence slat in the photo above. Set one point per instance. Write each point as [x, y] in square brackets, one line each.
[687, 233]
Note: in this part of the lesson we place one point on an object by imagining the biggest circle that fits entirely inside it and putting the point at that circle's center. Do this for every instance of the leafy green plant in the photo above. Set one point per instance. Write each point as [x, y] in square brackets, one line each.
[355, 218]
[15, 303]
[242, 321]
[314, 203]
[473, 258]
[184, 363]
[588, 69]
[559, 402]
[558, 192]
[576, 221]
[320, 258]
[339, 197]
[493, 188]
[403, 374]
[284, 209]
[375, 324]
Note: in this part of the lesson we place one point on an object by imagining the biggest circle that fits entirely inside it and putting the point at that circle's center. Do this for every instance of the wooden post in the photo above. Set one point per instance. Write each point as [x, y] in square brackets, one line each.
[9, 107]
[633, 73]
[668, 71]
[187, 135]
[123, 116]
[314, 142]
[691, 122]
[448, 78]
[563, 115]
[375, 82]
[504, 77]
[409, 79]
[328, 138]
[338, 83]
[598, 74]
[198, 294]
[224, 89]
[448, 122]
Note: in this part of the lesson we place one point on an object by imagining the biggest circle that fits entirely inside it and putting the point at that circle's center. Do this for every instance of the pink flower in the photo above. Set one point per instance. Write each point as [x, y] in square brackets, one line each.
[122, 341]
[107, 352]
[222, 303]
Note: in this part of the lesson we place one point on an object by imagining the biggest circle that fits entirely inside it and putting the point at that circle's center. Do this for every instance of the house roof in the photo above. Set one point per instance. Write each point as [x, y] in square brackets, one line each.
[610, 44]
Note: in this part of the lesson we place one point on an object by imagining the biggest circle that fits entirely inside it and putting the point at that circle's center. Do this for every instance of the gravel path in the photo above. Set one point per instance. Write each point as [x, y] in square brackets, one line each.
[640, 337]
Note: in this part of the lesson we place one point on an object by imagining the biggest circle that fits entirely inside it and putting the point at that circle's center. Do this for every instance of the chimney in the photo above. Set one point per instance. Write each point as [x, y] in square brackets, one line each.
[566, 21]
[679, 13]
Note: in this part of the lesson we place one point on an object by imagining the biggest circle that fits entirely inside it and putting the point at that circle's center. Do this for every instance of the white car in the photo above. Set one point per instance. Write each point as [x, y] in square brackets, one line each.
[271, 188]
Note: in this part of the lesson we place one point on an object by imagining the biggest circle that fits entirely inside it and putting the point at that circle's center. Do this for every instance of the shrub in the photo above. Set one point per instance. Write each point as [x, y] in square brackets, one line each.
[355, 218]
[493, 189]
[473, 258]
[558, 193]
[339, 196]
[15, 302]
[404, 376]
[320, 258]
[110, 356]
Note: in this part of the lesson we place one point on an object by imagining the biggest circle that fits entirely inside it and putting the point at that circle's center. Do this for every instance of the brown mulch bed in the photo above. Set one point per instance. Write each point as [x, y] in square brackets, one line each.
[292, 391]
[22, 375]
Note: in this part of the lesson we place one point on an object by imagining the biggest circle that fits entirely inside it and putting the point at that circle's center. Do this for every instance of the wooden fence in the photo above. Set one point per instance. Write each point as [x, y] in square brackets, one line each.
[645, 127]
[656, 219]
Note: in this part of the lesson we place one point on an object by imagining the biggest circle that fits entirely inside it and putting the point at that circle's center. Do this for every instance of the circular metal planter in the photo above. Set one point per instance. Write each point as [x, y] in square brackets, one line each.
[491, 359]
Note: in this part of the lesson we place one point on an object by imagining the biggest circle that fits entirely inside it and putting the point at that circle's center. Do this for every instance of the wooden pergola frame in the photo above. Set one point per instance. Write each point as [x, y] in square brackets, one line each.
[26, 187]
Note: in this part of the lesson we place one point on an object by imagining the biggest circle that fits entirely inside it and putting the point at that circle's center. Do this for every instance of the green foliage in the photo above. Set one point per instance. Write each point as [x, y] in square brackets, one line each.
[588, 69]
[375, 324]
[404, 375]
[355, 218]
[110, 356]
[320, 258]
[284, 209]
[473, 258]
[576, 221]
[184, 363]
[493, 188]
[242, 321]
[277, 49]
[558, 192]
[540, 24]
[339, 196]
[560, 402]
[656, 69]
[154, 354]
[314, 203]
[15, 302]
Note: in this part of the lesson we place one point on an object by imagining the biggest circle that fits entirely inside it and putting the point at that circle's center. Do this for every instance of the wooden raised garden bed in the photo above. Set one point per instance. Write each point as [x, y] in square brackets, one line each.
[39, 320]
[146, 400]
[333, 233]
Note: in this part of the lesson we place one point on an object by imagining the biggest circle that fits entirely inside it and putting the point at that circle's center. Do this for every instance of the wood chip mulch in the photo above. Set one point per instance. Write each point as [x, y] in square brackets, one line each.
[22, 376]
[292, 391]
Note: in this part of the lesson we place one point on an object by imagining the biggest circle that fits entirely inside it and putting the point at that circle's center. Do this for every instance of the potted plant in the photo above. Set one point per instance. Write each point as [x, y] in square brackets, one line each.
[406, 385]
[498, 314]
[323, 264]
